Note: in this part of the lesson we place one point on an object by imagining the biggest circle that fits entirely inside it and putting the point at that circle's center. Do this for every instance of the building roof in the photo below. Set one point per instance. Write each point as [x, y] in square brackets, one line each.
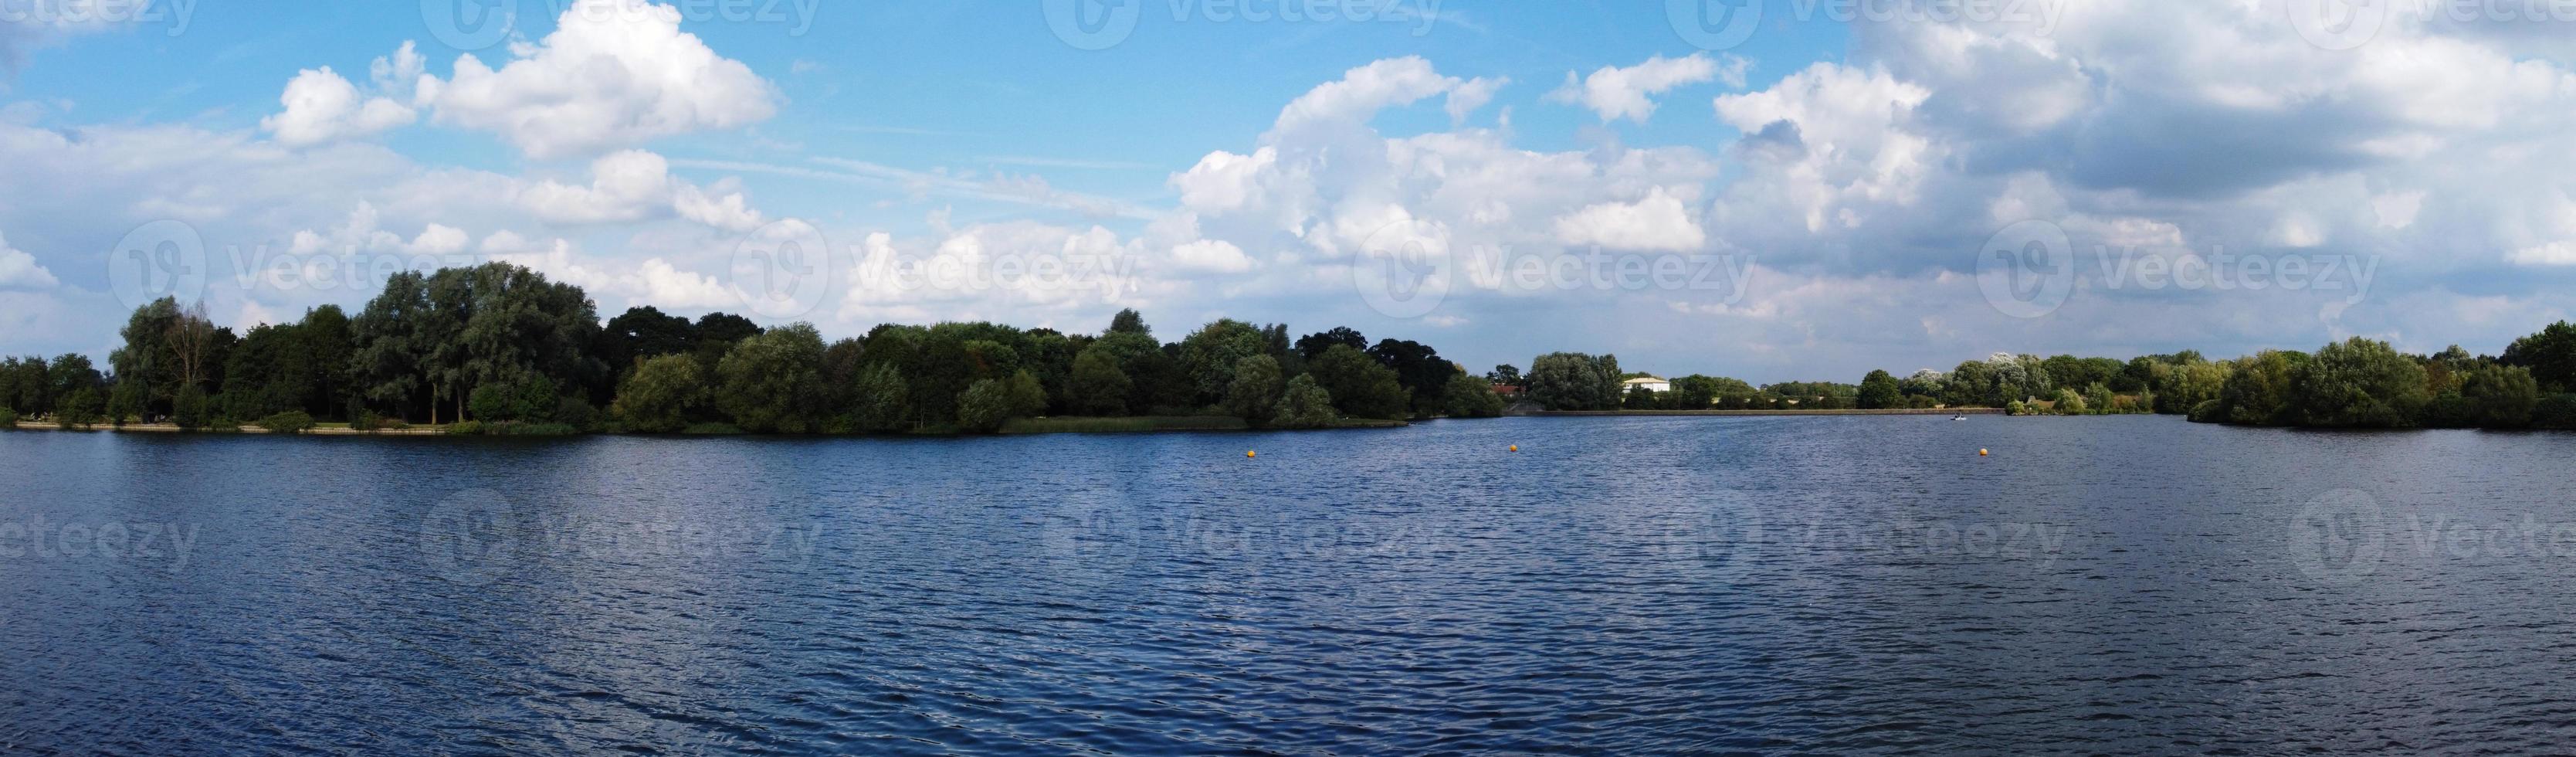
[1635, 381]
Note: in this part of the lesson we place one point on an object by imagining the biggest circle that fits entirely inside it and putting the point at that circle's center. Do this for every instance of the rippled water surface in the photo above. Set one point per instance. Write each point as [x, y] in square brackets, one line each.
[1617, 586]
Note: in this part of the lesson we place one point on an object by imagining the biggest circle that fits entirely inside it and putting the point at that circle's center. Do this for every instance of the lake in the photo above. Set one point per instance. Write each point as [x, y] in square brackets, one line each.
[1628, 585]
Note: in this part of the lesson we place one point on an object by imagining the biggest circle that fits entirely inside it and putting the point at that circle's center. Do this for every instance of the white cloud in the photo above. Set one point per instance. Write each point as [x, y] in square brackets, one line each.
[18, 270]
[1617, 93]
[1659, 222]
[634, 185]
[1212, 255]
[323, 107]
[614, 73]
[2552, 254]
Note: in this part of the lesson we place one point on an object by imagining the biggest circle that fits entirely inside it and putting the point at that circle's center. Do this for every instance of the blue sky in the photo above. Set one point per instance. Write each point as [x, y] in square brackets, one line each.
[1833, 189]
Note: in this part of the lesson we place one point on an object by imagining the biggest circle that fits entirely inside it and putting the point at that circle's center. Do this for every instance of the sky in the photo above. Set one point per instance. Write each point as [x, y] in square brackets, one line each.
[1767, 189]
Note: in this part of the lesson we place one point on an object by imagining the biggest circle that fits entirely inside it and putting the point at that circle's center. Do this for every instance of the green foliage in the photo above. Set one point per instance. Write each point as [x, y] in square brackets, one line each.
[2258, 391]
[1419, 369]
[289, 422]
[1359, 385]
[2359, 383]
[1098, 386]
[2500, 396]
[2016, 408]
[1213, 353]
[1304, 403]
[2098, 397]
[1471, 397]
[84, 406]
[984, 406]
[880, 402]
[1879, 391]
[661, 395]
[2550, 355]
[2556, 411]
[2067, 402]
[192, 411]
[2209, 411]
[1573, 381]
[773, 382]
[1028, 398]
[1254, 393]
[8, 419]
[523, 399]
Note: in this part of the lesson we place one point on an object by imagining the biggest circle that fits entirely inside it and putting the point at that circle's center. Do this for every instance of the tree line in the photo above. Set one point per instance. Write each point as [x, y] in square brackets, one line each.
[499, 349]
[2357, 383]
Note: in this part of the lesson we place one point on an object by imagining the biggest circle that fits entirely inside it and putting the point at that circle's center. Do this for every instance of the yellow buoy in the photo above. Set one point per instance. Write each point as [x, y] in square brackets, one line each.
[1253, 453]
[1516, 448]
[1981, 453]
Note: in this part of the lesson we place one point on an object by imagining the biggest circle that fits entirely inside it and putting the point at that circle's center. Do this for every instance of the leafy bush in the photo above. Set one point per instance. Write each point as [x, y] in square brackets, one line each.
[465, 428]
[289, 422]
[192, 411]
[1471, 397]
[2211, 411]
[712, 429]
[1304, 404]
[984, 406]
[2558, 411]
[8, 419]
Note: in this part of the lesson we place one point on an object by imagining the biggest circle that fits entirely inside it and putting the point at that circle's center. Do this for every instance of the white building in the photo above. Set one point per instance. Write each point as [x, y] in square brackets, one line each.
[1650, 384]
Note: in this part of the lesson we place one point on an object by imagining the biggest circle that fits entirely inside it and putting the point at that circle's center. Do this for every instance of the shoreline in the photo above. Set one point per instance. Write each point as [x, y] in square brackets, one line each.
[1687, 413]
[1022, 427]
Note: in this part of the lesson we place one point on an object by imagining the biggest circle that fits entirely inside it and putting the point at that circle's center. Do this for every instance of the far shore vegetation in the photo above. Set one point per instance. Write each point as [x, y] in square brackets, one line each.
[499, 350]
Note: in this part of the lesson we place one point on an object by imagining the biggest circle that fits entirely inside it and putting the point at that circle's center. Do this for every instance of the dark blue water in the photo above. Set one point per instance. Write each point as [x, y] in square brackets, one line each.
[1618, 586]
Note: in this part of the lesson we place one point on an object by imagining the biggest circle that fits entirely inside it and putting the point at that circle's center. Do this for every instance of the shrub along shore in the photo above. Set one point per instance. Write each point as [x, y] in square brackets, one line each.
[499, 350]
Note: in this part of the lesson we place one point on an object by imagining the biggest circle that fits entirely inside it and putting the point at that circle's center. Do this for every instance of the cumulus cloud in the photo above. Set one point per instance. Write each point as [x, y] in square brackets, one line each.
[1659, 222]
[634, 185]
[18, 270]
[1617, 93]
[322, 107]
[614, 73]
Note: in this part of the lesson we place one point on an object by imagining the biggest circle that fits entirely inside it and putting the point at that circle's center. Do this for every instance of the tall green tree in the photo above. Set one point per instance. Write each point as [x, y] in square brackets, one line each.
[661, 394]
[1254, 393]
[1304, 404]
[773, 382]
[1098, 386]
[2550, 356]
[1359, 385]
[2359, 383]
[1878, 391]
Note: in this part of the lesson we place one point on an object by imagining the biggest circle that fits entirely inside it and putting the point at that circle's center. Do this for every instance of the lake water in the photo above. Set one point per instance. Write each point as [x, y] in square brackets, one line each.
[2129, 584]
